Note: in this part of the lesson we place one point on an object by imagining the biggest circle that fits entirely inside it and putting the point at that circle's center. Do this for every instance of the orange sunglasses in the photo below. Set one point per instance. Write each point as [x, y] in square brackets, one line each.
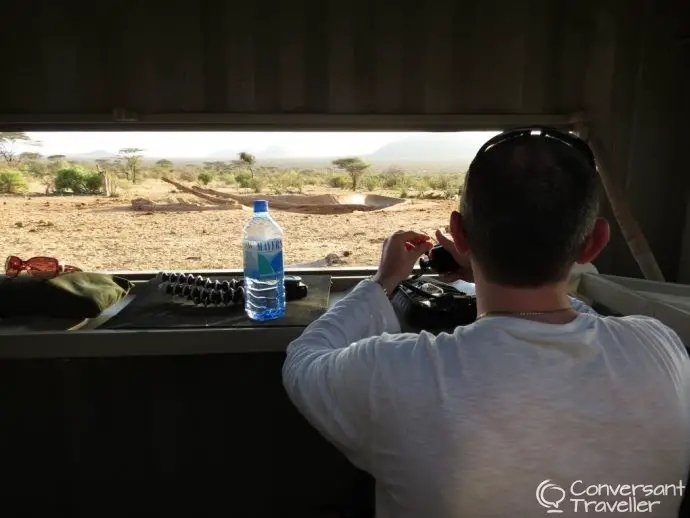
[36, 267]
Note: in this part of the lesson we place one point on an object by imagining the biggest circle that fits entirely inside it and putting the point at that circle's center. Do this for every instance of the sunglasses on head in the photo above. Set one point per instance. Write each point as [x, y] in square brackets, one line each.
[36, 267]
[542, 132]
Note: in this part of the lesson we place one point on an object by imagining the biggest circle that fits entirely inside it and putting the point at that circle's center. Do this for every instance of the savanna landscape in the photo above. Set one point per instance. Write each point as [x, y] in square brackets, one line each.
[132, 212]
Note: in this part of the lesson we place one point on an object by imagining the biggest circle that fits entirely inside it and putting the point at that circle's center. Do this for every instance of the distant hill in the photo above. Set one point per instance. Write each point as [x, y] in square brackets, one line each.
[438, 147]
[222, 154]
[435, 151]
[91, 155]
[271, 152]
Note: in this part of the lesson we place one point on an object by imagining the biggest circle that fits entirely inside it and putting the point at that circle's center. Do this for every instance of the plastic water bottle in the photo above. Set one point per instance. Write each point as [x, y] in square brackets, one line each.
[264, 286]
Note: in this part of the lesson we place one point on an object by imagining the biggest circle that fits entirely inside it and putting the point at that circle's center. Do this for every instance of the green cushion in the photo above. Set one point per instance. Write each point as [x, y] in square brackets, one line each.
[72, 295]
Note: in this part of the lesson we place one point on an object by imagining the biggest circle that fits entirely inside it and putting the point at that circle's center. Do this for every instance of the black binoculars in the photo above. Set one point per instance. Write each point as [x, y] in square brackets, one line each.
[439, 260]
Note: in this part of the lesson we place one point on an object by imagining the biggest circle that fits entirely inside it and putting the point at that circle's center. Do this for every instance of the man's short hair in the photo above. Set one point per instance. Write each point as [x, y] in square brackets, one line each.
[527, 206]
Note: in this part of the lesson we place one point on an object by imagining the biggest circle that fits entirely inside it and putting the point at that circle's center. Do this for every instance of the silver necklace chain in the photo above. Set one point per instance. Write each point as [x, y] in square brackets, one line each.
[522, 313]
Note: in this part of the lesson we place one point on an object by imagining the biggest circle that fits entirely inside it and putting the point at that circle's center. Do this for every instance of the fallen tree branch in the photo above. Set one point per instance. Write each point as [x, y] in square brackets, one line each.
[325, 205]
[207, 197]
[219, 194]
[144, 205]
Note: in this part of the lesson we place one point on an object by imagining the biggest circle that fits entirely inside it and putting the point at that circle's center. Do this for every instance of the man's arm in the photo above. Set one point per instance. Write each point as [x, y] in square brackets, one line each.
[329, 370]
[364, 312]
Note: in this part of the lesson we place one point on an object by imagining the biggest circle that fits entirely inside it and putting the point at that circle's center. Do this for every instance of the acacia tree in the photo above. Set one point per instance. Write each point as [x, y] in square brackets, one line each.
[249, 160]
[354, 166]
[131, 158]
[8, 139]
[29, 156]
[217, 167]
[164, 163]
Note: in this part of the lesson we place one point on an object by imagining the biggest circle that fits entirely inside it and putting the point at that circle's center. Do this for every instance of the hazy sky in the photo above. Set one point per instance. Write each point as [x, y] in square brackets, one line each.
[201, 144]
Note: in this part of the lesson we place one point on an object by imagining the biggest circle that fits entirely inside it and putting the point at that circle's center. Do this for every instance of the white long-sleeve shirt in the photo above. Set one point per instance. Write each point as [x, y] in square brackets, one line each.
[471, 423]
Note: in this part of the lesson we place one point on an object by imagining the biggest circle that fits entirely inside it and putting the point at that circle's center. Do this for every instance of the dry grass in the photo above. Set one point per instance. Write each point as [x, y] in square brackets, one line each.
[98, 233]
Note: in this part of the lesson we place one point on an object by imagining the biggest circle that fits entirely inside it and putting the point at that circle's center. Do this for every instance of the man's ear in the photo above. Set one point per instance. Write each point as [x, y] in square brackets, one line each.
[457, 232]
[595, 242]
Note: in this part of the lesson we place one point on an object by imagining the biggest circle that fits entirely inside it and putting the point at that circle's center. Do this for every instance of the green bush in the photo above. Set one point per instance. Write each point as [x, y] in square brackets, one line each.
[77, 181]
[93, 183]
[188, 176]
[311, 177]
[371, 183]
[204, 178]
[228, 179]
[289, 180]
[439, 182]
[12, 182]
[257, 184]
[244, 179]
[420, 184]
[393, 177]
[70, 180]
[340, 181]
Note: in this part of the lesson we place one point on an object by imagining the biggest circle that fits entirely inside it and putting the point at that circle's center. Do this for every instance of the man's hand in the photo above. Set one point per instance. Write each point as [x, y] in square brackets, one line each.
[465, 271]
[400, 253]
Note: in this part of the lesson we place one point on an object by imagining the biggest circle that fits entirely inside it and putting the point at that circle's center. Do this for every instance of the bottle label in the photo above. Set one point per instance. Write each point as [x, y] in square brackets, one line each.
[263, 259]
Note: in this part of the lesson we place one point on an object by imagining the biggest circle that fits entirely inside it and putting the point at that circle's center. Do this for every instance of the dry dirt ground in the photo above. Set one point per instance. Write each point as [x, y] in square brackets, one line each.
[97, 233]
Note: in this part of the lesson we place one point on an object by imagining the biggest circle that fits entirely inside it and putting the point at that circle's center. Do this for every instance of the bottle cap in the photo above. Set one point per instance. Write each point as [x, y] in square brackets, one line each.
[260, 206]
